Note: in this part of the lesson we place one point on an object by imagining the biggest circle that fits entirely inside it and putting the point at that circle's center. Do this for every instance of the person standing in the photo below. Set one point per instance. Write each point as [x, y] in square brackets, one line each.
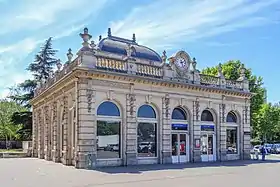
[263, 151]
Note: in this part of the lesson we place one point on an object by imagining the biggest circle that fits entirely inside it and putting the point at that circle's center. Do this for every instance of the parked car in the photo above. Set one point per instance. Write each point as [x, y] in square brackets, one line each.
[268, 147]
[275, 149]
[256, 148]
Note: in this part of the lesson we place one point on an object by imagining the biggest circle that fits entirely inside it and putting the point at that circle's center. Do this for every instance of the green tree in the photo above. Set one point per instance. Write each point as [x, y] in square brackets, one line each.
[268, 120]
[9, 130]
[41, 68]
[231, 70]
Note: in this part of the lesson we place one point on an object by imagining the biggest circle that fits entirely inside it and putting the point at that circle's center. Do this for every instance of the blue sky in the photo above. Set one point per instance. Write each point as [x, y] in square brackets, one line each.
[210, 30]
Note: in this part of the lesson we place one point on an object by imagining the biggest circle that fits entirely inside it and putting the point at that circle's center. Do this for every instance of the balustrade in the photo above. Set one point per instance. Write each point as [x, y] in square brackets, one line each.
[110, 64]
[149, 70]
[233, 84]
[209, 80]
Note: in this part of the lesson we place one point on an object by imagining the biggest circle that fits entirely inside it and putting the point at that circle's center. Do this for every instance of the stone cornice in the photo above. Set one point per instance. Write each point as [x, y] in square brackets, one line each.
[79, 72]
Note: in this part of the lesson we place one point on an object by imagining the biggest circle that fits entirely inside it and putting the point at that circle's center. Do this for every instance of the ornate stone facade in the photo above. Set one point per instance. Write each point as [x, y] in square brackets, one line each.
[120, 103]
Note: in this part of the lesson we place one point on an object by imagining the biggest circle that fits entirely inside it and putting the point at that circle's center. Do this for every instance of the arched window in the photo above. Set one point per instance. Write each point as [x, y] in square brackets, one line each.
[108, 109]
[179, 114]
[146, 111]
[232, 134]
[108, 131]
[207, 116]
[146, 132]
[231, 117]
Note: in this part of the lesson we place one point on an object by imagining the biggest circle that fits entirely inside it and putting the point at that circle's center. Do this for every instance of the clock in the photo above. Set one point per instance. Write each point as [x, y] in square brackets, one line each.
[181, 63]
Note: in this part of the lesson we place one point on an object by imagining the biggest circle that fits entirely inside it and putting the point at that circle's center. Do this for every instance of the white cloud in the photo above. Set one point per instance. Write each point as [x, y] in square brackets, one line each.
[164, 23]
[35, 14]
[46, 18]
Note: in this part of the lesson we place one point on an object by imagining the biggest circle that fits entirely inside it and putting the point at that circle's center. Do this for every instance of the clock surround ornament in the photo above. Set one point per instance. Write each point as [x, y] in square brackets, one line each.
[182, 64]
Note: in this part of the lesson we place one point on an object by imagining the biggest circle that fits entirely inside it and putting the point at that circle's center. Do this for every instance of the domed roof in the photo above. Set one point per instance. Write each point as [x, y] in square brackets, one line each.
[113, 44]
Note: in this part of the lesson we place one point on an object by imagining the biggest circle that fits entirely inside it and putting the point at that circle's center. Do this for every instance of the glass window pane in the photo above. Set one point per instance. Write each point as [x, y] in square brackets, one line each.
[232, 141]
[108, 139]
[174, 144]
[178, 114]
[206, 116]
[210, 144]
[231, 118]
[183, 144]
[146, 140]
[204, 144]
[146, 111]
[108, 109]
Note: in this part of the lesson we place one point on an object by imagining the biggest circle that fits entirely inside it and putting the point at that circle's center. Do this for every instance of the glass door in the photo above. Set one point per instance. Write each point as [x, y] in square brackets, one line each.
[179, 148]
[183, 148]
[175, 150]
[208, 147]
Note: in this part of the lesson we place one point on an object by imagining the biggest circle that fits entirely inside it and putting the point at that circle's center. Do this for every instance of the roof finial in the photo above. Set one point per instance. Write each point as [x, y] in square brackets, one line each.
[85, 36]
[109, 32]
[133, 37]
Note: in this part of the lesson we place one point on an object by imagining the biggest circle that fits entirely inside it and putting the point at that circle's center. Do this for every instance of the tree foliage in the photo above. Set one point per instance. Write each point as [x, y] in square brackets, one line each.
[268, 121]
[9, 130]
[231, 70]
[41, 68]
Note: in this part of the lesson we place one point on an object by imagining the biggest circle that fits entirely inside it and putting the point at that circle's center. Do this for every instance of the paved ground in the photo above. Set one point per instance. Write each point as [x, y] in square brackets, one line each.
[28, 172]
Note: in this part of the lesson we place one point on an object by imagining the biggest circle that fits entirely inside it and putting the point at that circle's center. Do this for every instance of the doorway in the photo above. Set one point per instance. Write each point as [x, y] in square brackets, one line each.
[180, 148]
[208, 147]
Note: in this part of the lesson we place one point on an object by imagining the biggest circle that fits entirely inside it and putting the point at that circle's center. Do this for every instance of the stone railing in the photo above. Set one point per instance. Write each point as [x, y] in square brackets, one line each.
[209, 80]
[67, 68]
[111, 65]
[147, 70]
[231, 84]
[126, 67]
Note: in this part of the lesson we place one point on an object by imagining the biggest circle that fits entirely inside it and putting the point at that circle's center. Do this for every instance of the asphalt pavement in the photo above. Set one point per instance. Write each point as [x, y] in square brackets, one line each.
[29, 172]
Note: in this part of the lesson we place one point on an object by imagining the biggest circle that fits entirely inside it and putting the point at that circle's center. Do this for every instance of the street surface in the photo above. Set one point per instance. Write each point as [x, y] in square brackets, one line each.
[32, 172]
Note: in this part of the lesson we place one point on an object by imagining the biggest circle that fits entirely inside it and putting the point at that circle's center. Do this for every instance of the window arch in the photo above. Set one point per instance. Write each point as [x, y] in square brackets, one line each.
[108, 131]
[146, 132]
[207, 116]
[108, 108]
[231, 117]
[146, 111]
[179, 114]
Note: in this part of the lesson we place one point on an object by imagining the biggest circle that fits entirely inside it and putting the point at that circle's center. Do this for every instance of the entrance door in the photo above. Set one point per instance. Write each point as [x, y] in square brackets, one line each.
[180, 148]
[208, 148]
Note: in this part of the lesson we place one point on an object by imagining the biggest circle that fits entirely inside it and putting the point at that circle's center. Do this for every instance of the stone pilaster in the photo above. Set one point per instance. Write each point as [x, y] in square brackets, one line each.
[131, 130]
[47, 145]
[196, 131]
[222, 134]
[166, 131]
[55, 148]
[246, 133]
[65, 148]
[35, 133]
[40, 134]
[86, 127]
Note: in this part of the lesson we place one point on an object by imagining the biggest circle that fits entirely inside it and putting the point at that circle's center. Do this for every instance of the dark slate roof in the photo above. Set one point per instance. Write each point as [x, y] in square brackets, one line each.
[113, 44]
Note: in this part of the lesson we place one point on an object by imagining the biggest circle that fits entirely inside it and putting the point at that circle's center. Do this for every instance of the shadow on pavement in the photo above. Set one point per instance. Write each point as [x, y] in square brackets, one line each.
[138, 169]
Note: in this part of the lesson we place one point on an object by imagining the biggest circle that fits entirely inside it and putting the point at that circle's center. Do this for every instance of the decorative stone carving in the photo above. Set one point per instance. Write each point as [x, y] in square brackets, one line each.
[196, 109]
[222, 112]
[89, 99]
[148, 99]
[167, 105]
[110, 94]
[110, 84]
[132, 100]
[246, 114]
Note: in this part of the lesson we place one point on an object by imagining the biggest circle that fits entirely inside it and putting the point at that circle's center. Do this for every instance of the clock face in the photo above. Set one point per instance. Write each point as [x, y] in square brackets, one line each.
[181, 63]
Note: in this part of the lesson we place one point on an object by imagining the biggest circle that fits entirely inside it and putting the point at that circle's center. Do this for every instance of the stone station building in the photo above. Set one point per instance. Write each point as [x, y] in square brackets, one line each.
[120, 103]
